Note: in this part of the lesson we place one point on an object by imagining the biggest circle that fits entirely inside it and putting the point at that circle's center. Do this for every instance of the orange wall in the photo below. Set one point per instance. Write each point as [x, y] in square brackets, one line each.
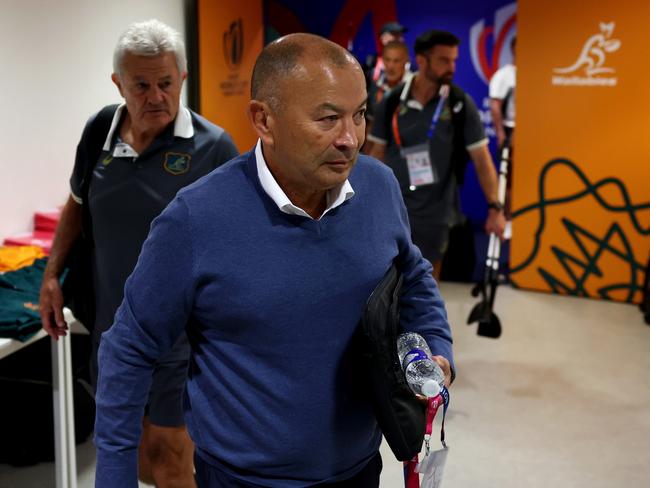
[581, 188]
[224, 70]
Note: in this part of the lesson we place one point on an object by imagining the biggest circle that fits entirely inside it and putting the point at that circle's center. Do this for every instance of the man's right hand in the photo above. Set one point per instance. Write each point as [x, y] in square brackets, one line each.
[51, 299]
[51, 308]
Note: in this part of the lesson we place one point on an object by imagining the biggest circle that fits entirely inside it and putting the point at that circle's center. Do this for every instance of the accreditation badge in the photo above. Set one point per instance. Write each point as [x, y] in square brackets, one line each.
[432, 468]
[418, 161]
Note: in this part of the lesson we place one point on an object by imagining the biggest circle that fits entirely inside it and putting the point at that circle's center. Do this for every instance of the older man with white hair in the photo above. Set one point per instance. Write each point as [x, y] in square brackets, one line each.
[131, 161]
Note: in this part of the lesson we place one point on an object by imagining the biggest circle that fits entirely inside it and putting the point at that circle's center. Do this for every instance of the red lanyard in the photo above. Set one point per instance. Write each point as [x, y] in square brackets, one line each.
[396, 136]
[411, 477]
[432, 410]
[380, 94]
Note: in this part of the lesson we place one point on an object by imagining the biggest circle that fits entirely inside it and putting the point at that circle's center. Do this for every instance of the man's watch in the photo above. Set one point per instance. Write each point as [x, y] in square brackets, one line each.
[495, 206]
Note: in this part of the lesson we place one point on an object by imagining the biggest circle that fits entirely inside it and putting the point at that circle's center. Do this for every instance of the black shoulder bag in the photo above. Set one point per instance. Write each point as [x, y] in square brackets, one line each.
[400, 415]
[78, 289]
[459, 156]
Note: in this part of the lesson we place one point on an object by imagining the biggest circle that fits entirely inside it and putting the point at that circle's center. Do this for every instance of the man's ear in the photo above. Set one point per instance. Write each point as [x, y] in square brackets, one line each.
[262, 119]
[118, 83]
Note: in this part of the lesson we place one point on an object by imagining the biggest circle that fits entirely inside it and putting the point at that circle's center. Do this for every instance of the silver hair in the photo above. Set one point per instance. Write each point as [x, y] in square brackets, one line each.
[150, 38]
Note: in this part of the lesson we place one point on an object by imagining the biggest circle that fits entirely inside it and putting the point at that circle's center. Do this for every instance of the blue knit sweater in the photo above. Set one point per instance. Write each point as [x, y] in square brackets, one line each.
[270, 302]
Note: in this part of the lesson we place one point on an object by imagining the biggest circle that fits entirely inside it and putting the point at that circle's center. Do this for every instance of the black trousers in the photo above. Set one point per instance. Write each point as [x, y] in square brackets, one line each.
[207, 476]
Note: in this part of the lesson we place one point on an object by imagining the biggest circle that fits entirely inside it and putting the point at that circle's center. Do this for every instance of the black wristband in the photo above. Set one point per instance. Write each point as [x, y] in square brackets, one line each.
[495, 206]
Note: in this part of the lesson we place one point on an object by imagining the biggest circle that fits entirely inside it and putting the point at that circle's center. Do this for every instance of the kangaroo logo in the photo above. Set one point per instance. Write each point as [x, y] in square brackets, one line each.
[592, 56]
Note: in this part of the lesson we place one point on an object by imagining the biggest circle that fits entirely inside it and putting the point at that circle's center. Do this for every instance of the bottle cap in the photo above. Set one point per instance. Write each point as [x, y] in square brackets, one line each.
[430, 388]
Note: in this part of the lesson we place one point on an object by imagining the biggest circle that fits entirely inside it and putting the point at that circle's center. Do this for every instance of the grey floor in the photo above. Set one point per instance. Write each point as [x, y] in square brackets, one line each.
[561, 399]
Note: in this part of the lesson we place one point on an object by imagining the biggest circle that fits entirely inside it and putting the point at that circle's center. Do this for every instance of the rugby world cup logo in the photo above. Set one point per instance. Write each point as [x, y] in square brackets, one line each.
[233, 44]
[482, 36]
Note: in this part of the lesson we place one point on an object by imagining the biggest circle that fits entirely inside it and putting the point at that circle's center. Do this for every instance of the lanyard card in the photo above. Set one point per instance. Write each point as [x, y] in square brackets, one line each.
[418, 161]
[432, 468]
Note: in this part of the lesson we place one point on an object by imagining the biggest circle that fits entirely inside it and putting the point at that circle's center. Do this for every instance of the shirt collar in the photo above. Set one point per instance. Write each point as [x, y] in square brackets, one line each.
[404, 96]
[183, 126]
[335, 197]
[381, 82]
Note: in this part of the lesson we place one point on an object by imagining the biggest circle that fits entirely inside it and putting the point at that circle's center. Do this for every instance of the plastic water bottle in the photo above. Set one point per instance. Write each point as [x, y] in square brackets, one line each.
[423, 374]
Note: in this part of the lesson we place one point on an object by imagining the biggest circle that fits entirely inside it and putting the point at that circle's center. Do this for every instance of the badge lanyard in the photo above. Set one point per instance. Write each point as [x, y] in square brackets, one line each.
[434, 404]
[380, 94]
[444, 92]
[411, 477]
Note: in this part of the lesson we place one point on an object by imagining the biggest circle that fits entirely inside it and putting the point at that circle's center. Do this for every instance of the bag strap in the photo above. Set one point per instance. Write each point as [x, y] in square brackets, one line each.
[459, 156]
[97, 132]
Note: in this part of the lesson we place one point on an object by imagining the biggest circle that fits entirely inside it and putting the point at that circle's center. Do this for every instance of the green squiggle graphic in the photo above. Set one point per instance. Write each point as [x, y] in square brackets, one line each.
[590, 266]
[590, 189]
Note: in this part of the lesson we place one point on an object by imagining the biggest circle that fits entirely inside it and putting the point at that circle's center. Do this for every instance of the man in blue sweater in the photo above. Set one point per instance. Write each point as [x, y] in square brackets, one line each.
[267, 264]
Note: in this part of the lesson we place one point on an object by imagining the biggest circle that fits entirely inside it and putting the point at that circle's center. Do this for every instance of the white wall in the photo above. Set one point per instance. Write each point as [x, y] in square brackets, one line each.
[56, 59]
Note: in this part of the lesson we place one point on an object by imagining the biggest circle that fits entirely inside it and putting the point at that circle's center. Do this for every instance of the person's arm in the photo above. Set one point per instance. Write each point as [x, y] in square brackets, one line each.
[477, 147]
[487, 177]
[158, 299]
[496, 107]
[68, 230]
[51, 296]
[422, 309]
[497, 93]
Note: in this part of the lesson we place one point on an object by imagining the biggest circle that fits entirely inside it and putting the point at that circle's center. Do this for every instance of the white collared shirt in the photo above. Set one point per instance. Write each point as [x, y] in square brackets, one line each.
[182, 128]
[335, 196]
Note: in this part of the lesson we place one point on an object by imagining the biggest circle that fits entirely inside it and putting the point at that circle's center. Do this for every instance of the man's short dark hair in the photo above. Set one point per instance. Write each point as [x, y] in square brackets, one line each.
[269, 67]
[432, 38]
[280, 60]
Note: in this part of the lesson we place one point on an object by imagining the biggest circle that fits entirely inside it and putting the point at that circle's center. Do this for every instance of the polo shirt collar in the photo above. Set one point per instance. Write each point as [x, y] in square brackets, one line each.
[404, 97]
[335, 196]
[381, 82]
[183, 126]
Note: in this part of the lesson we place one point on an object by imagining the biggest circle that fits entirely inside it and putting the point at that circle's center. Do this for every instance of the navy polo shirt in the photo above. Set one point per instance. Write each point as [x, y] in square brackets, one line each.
[437, 203]
[128, 190]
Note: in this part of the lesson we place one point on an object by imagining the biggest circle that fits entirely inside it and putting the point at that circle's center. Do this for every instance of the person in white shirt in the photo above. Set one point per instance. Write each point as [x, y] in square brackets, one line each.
[502, 106]
[502, 98]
